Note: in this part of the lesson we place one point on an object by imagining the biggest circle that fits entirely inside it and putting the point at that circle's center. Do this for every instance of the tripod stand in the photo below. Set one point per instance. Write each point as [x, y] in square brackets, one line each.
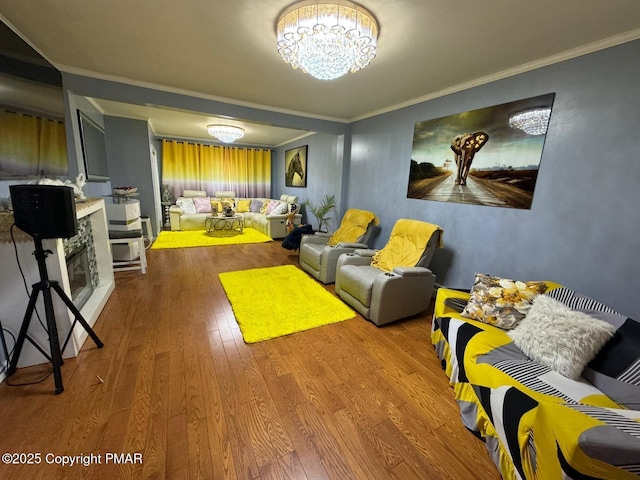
[45, 285]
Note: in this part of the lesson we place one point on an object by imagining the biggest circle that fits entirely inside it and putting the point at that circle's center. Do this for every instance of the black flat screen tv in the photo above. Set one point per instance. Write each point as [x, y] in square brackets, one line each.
[94, 149]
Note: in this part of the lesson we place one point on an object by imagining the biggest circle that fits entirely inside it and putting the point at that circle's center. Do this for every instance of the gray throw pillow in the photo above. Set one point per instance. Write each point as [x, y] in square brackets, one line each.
[255, 206]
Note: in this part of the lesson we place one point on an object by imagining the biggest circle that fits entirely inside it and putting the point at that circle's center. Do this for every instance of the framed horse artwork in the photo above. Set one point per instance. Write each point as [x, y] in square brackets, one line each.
[295, 164]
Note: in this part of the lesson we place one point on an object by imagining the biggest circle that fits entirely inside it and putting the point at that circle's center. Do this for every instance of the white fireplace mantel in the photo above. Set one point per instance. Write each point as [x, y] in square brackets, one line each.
[14, 298]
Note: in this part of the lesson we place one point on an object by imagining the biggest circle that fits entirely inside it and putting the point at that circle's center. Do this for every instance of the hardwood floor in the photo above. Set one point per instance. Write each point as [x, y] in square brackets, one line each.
[344, 401]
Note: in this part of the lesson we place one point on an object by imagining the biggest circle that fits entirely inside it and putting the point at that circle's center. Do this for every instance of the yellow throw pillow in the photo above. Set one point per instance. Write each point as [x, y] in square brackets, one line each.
[264, 207]
[244, 205]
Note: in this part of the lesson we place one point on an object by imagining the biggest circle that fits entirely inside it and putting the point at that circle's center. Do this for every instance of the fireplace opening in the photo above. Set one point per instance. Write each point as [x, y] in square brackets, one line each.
[79, 276]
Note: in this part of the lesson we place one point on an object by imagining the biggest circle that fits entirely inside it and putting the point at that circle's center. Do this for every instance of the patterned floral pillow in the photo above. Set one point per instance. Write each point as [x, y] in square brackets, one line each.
[500, 301]
[228, 202]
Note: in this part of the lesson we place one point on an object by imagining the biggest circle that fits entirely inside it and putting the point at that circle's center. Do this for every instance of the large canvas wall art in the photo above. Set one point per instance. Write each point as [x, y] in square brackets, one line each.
[488, 156]
[295, 167]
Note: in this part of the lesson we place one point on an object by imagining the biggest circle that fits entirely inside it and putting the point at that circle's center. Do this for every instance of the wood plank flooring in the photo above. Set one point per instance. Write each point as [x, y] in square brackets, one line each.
[345, 401]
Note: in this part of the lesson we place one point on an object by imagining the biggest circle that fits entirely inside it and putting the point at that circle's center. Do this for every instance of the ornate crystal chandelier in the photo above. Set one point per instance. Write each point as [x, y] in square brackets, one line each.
[533, 122]
[225, 133]
[327, 39]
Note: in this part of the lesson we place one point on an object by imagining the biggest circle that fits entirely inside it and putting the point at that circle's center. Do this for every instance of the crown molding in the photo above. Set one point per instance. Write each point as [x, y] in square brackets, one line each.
[526, 67]
[179, 91]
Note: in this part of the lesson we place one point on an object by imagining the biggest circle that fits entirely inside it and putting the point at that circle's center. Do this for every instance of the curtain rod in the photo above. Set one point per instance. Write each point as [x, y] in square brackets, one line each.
[210, 145]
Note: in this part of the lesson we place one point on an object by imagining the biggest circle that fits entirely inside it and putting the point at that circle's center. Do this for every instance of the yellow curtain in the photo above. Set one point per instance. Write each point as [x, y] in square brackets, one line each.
[180, 165]
[31, 145]
[53, 147]
[215, 171]
[259, 173]
[246, 171]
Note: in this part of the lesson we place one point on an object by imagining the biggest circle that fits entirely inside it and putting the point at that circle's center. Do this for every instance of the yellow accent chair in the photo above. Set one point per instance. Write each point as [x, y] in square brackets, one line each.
[319, 252]
[392, 283]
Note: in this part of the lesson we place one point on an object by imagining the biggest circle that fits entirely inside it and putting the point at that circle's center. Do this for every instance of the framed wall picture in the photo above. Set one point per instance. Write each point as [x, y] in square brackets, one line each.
[490, 156]
[295, 167]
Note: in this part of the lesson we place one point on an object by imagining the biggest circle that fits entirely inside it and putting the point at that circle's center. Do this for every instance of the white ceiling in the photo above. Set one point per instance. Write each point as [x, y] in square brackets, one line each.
[225, 50]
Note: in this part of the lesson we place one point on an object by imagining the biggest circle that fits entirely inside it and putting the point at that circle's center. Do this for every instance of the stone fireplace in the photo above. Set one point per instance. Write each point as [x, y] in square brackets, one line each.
[80, 256]
[79, 276]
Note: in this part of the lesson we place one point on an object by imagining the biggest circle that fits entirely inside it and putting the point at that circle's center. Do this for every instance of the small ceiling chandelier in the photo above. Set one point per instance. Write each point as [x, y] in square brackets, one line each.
[533, 122]
[327, 39]
[225, 133]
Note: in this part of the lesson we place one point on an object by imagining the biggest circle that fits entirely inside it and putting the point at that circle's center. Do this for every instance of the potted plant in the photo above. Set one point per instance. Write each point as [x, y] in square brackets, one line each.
[321, 212]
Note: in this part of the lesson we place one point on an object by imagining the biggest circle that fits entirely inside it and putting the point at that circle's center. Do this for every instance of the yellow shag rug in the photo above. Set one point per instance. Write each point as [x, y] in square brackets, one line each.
[276, 301]
[200, 238]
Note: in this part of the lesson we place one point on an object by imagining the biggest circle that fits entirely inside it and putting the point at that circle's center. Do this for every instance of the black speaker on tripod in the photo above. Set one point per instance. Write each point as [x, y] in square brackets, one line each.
[46, 211]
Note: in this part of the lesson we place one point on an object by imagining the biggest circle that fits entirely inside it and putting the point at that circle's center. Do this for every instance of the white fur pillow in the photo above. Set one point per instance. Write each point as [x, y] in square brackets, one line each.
[280, 209]
[187, 205]
[561, 338]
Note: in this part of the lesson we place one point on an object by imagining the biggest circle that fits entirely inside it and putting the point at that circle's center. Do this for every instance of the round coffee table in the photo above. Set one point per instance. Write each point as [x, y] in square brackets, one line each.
[216, 223]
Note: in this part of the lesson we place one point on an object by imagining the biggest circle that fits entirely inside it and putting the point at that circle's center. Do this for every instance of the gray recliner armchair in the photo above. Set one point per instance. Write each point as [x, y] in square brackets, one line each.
[394, 282]
[319, 252]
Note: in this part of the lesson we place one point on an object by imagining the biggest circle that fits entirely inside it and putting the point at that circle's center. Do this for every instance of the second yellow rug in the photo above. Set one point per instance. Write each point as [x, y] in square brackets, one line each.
[200, 238]
[276, 301]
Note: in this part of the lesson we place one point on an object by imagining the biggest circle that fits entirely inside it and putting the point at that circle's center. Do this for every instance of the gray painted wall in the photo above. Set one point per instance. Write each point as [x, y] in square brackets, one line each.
[129, 158]
[582, 229]
[325, 170]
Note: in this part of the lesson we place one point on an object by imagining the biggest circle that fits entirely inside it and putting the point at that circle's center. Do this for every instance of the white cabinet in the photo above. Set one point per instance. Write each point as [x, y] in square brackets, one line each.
[124, 215]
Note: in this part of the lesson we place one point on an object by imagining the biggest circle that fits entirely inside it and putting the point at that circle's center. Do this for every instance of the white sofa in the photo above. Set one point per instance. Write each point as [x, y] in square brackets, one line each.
[183, 216]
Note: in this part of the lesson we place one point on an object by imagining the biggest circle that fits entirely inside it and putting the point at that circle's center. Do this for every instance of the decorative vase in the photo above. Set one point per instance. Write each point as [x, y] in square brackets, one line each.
[166, 194]
[228, 212]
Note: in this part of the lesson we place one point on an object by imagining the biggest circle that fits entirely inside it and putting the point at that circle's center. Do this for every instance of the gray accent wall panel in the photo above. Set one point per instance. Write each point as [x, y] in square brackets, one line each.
[129, 160]
[583, 228]
[325, 167]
